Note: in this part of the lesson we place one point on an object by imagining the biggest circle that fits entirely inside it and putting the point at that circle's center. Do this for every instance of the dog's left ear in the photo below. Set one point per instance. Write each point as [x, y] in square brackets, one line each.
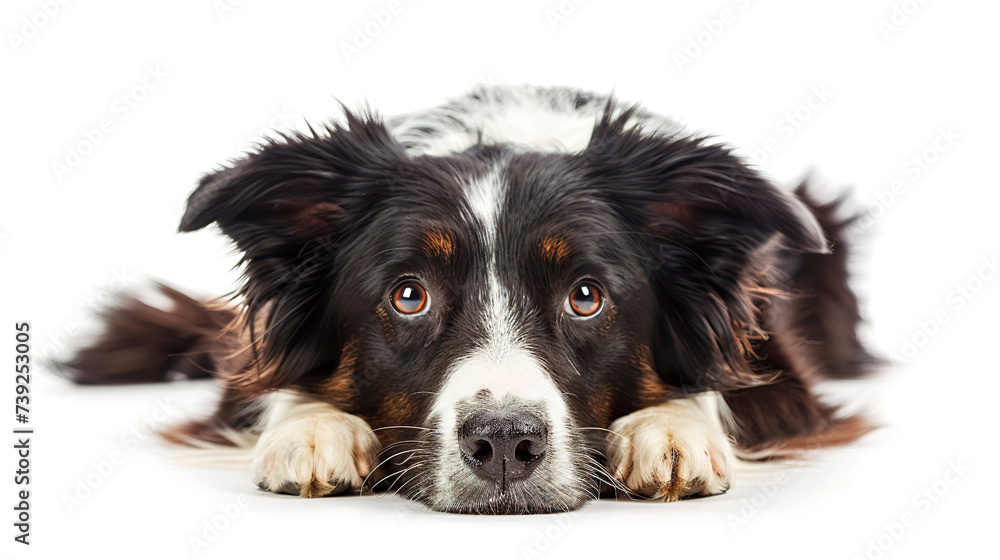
[710, 230]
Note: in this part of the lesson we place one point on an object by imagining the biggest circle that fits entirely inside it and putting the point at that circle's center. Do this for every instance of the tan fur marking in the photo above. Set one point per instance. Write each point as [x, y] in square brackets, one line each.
[599, 403]
[438, 244]
[395, 409]
[388, 330]
[673, 211]
[340, 386]
[652, 389]
[841, 432]
[554, 249]
[609, 321]
[750, 336]
[241, 368]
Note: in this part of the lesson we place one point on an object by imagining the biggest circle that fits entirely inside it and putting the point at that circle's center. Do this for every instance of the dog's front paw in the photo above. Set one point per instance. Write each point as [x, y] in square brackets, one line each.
[671, 451]
[316, 450]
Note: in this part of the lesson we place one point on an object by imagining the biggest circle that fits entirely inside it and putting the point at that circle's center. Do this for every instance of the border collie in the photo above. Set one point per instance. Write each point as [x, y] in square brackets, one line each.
[514, 302]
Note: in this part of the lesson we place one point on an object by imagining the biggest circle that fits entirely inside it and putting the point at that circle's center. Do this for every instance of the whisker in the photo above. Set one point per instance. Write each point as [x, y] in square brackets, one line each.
[404, 471]
[420, 476]
[395, 475]
[600, 472]
[396, 444]
[402, 427]
[365, 481]
[610, 432]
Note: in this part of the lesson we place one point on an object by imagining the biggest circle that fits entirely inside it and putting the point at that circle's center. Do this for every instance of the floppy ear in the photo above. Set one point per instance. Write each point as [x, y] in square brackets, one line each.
[286, 207]
[711, 230]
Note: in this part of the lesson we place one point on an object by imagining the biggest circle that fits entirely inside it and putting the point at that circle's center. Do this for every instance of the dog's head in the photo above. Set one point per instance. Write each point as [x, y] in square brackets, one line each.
[489, 312]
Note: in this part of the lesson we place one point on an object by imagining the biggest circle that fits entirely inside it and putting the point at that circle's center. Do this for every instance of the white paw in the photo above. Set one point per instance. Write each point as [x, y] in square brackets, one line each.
[317, 450]
[671, 451]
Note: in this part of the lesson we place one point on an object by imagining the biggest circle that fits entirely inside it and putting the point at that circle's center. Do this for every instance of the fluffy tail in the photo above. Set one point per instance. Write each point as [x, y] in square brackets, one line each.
[143, 344]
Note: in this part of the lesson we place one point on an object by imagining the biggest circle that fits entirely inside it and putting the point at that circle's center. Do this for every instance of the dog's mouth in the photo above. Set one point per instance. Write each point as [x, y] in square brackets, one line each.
[517, 498]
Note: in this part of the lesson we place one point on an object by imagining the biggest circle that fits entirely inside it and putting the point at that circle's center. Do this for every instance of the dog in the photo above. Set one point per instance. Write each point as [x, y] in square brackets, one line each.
[514, 302]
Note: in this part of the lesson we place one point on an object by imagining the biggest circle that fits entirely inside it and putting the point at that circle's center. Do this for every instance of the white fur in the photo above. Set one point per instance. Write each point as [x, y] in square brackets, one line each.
[501, 364]
[505, 369]
[643, 444]
[313, 448]
[523, 117]
[484, 196]
[274, 407]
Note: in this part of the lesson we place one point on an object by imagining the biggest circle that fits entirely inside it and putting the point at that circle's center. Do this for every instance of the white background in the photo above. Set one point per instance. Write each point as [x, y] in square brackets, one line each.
[68, 239]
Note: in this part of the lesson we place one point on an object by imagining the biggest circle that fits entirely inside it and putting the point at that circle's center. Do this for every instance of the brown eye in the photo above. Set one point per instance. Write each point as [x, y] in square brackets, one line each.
[585, 300]
[409, 298]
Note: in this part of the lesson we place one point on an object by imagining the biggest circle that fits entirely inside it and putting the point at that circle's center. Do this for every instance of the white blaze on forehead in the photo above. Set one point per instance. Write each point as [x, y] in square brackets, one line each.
[484, 196]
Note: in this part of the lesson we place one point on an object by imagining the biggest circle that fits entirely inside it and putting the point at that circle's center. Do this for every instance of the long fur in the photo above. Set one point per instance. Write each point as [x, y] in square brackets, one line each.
[722, 282]
[142, 343]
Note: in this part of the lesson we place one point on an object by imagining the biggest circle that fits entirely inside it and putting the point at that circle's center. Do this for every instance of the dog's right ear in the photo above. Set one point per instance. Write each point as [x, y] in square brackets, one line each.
[295, 189]
[286, 207]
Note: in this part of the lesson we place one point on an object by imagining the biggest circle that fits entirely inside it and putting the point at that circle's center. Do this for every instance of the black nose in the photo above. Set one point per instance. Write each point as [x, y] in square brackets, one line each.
[502, 446]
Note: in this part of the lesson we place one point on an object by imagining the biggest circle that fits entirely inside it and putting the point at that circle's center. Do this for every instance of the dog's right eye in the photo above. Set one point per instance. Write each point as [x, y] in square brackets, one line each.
[409, 298]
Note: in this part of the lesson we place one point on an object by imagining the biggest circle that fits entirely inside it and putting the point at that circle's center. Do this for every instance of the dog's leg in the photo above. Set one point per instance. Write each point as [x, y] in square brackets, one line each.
[672, 450]
[313, 449]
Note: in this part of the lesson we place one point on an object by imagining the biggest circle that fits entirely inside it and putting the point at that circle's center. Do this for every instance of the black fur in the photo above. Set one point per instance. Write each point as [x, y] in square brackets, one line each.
[714, 280]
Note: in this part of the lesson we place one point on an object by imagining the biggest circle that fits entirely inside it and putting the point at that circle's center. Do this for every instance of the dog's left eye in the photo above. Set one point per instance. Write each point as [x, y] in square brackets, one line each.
[409, 298]
[585, 300]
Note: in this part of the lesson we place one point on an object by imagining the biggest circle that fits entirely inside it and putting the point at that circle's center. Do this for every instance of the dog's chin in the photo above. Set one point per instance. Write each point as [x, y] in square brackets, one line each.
[518, 498]
[465, 492]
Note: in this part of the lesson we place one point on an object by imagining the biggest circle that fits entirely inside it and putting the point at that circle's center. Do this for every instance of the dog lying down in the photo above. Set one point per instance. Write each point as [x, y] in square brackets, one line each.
[514, 302]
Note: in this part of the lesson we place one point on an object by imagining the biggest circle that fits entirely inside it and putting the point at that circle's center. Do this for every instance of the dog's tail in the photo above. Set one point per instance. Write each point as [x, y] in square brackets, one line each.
[825, 310]
[142, 343]
[183, 337]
